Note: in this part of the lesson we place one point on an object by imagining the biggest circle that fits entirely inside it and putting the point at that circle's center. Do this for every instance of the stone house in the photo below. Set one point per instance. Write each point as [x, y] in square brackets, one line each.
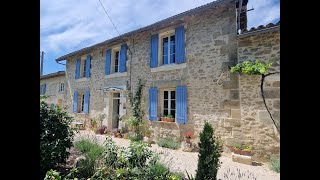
[54, 87]
[183, 61]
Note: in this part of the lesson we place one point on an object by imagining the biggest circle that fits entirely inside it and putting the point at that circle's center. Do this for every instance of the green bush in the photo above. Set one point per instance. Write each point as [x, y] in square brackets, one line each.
[92, 152]
[168, 143]
[275, 163]
[135, 136]
[52, 174]
[56, 137]
[210, 149]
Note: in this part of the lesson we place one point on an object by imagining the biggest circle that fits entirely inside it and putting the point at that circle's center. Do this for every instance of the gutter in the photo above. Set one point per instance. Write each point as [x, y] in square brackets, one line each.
[251, 33]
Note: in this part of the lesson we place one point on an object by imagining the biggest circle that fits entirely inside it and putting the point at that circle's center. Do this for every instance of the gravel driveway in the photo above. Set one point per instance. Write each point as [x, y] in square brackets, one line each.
[178, 160]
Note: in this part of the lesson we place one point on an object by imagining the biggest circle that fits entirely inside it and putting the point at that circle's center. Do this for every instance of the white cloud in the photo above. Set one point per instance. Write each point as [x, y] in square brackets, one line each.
[69, 25]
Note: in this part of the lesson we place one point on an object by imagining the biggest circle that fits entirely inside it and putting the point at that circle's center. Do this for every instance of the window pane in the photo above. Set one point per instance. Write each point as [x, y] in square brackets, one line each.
[173, 113]
[165, 50]
[173, 95]
[165, 103]
[165, 112]
[165, 96]
[116, 94]
[172, 49]
[173, 104]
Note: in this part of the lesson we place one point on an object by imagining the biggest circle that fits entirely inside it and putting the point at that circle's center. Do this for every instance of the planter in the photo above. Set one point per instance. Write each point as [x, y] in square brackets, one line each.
[188, 140]
[165, 119]
[240, 152]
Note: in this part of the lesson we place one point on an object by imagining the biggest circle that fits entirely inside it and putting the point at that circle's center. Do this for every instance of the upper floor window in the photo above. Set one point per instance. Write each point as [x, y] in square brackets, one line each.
[168, 47]
[83, 66]
[61, 87]
[116, 58]
[43, 89]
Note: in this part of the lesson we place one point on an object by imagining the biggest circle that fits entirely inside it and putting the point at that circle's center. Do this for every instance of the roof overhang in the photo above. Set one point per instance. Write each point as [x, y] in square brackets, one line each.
[52, 75]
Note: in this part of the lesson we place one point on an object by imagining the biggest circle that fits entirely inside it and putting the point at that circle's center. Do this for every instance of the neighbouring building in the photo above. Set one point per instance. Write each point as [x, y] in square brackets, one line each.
[54, 87]
[183, 61]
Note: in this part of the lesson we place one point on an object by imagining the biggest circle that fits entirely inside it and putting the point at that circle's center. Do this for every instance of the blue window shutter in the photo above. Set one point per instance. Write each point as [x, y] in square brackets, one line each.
[154, 51]
[75, 101]
[52, 106]
[88, 63]
[78, 68]
[153, 103]
[180, 47]
[108, 61]
[44, 88]
[181, 104]
[86, 102]
[123, 58]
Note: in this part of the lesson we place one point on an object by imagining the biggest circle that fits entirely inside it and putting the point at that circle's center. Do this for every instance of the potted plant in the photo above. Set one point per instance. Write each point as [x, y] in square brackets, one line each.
[167, 118]
[117, 133]
[188, 137]
[242, 150]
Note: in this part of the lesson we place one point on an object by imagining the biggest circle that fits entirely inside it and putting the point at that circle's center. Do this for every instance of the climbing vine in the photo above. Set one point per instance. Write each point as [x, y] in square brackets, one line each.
[136, 105]
[257, 68]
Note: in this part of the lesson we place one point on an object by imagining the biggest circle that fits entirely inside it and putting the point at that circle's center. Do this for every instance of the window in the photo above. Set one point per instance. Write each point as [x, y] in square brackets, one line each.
[168, 50]
[169, 103]
[83, 68]
[80, 108]
[61, 87]
[43, 89]
[116, 61]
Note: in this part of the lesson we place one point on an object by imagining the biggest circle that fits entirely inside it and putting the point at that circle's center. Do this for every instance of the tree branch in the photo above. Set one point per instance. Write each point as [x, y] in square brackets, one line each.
[264, 101]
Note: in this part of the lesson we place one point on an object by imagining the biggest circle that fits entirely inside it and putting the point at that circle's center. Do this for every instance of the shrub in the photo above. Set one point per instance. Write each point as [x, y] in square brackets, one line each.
[110, 153]
[93, 153]
[228, 174]
[275, 163]
[135, 136]
[210, 149]
[52, 174]
[157, 171]
[168, 143]
[56, 137]
[138, 154]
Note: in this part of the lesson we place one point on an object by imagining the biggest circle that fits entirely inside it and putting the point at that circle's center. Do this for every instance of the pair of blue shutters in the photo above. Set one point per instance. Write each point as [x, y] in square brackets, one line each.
[88, 63]
[122, 62]
[86, 101]
[179, 47]
[181, 104]
[43, 89]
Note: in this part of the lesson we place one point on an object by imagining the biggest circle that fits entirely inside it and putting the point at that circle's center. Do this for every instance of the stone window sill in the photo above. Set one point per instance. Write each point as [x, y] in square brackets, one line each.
[116, 75]
[169, 67]
[167, 122]
[82, 79]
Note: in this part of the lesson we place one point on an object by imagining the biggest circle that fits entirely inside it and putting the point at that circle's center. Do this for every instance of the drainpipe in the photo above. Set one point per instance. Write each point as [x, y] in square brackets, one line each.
[239, 12]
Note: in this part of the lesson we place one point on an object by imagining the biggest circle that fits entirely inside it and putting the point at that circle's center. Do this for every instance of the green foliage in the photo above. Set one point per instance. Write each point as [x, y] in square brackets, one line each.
[56, 136]
[169, 116]
[275, 163]
[135, 137]
[135, 101]
[243, 147]
[52, 174]
[133, 121]
[190, 177]
[168, 143]
[210, 149]
[138, 154]
[93, 152]
[157, 171]
[111, 152]
[248, 67]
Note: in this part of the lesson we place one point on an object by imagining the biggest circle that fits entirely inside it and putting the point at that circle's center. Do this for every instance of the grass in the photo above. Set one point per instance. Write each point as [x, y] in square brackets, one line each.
[93, 152]
[168, 143]
[275, 163]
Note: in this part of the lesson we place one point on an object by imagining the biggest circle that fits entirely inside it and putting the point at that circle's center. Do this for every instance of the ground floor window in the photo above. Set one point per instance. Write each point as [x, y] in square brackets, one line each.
[169, 103]
[80, 108]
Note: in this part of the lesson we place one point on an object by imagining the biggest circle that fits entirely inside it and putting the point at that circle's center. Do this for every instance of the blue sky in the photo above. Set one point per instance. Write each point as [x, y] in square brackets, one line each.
[69, 25]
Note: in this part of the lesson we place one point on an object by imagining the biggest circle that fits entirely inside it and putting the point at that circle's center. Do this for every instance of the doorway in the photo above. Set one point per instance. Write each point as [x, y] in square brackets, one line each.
[116, 110]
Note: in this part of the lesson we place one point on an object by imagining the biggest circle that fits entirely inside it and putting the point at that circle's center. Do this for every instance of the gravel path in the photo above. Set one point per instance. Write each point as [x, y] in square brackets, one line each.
[178, 160]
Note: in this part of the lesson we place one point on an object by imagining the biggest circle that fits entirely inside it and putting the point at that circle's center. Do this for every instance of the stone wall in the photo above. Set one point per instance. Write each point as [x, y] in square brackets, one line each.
[52, 89]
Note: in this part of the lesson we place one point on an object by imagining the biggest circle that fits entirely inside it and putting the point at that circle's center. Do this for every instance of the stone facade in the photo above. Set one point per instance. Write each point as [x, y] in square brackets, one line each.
[214, 95]
[53, 93]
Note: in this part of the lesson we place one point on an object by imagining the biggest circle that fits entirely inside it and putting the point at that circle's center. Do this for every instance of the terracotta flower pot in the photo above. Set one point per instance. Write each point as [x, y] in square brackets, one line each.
[165, 119]
[188, 140]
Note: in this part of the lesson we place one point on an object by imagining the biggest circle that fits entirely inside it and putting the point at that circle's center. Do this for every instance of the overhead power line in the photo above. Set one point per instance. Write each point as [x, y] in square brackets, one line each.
[114, 25]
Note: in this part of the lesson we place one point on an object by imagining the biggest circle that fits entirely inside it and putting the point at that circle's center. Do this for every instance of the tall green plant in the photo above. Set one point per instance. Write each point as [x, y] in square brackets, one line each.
[56, 136]
[136, 105]
[209, 153]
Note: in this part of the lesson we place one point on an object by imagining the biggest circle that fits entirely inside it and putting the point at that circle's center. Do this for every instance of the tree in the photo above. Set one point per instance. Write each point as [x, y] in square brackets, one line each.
[55, 137]
[210, 149]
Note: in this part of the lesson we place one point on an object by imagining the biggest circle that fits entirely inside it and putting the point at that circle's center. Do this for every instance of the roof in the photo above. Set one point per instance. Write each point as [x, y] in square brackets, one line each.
[154, 25]
[52, 75]
[267, 28]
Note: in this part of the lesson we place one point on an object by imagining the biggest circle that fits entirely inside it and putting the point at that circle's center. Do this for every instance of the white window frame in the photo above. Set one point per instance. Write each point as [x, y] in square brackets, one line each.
[113, 59]
[163, 35]
[169, 101]
[80, 104]
[61, 87]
